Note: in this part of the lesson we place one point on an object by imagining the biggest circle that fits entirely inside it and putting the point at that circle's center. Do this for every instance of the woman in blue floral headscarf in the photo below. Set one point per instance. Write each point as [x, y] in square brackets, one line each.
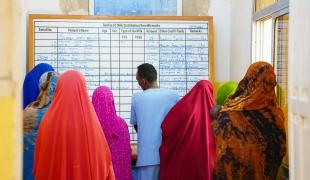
[31, 83]
[33, 115]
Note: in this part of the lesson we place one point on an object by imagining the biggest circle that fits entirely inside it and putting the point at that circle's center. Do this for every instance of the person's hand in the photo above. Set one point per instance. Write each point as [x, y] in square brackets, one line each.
[214, 111]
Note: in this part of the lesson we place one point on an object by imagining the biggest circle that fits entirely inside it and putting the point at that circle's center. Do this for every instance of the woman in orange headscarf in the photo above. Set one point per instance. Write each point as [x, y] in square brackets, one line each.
[249, 132]
[70, 143]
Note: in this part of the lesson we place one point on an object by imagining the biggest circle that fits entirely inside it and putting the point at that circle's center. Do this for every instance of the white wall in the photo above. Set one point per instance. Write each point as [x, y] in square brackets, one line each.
[241, 38]
[195, 7]
[221, 12]
[232, 37]
[299, 89]
[42, 6]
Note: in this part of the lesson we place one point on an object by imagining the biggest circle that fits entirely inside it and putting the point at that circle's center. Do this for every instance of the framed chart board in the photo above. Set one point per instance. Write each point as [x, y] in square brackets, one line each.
[107, 50]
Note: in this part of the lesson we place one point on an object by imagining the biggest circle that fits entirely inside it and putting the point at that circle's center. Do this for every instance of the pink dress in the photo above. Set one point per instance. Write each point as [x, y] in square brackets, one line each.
[116, 132]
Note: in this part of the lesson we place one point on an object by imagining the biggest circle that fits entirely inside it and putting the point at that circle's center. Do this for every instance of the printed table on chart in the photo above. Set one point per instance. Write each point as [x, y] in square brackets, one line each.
[109, 55]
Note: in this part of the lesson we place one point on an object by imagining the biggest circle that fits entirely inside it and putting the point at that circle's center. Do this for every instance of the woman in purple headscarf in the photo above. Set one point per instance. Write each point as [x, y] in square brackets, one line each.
[116, 132]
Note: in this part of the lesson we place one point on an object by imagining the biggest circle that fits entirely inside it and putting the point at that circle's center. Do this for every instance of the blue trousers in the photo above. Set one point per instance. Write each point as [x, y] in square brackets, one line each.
[148, 172]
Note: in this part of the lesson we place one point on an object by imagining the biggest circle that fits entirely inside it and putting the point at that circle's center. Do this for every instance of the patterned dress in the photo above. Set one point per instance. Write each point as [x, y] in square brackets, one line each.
[116, 132]
[33, 115]
[249, 132]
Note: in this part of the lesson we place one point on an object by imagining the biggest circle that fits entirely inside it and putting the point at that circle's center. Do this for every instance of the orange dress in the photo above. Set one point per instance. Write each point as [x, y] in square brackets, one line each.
[71, 144]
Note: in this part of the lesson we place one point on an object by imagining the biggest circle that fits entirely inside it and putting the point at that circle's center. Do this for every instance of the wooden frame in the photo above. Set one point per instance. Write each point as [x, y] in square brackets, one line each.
[33, 17]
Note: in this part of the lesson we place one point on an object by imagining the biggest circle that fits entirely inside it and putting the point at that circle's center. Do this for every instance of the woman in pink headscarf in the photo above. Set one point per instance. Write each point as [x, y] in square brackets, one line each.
[115, 130]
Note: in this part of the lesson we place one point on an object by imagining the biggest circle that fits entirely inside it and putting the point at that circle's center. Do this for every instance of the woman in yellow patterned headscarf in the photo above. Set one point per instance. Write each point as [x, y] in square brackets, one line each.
[249, 132]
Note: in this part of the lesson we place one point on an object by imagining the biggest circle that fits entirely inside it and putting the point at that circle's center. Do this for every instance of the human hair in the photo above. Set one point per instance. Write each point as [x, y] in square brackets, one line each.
[148, 72]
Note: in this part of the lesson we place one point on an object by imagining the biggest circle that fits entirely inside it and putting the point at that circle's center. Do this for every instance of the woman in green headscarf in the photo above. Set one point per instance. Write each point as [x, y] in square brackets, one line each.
[224, 91]
[222, 94]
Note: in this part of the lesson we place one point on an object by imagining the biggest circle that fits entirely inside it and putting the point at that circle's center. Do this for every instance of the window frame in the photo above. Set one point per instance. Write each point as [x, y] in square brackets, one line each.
[273, 11]
[279, 7]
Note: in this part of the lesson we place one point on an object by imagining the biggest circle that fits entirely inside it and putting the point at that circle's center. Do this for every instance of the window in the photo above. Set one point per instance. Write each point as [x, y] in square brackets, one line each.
[281, 59]
[262, 49]
[270, 41]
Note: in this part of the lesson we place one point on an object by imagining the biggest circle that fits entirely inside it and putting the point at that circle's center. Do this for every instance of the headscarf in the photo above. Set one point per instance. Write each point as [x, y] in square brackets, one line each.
[224, 91]
[31, 83]
[187, 149]
[255, 91]
[115, 130]
[71, 143]
[249, 132]
[33, 114]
